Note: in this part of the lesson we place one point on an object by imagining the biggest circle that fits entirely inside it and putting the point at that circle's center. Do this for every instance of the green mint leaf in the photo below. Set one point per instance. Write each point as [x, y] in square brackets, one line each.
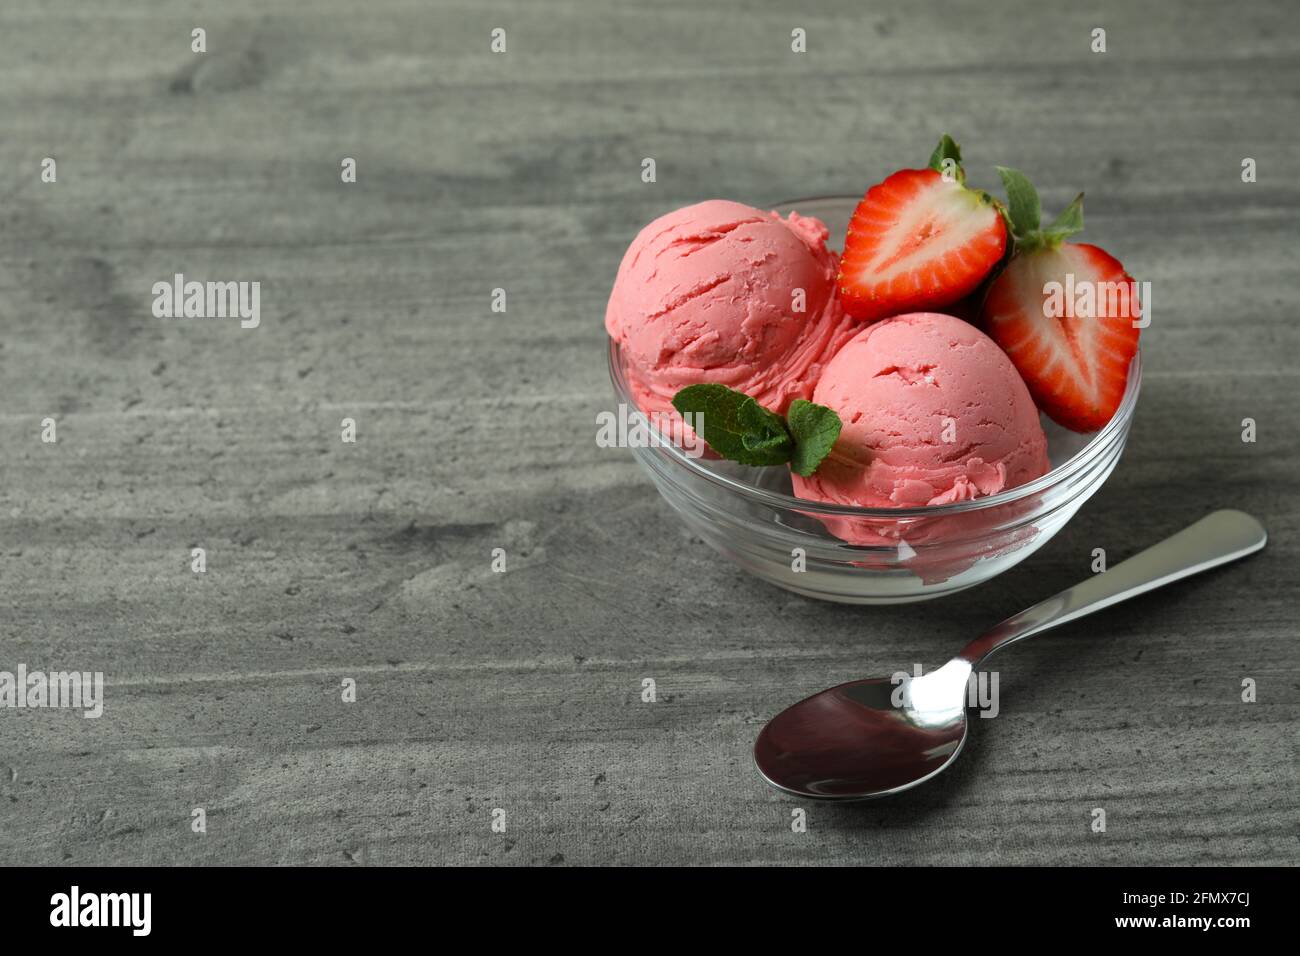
[815, 429]
[734, 425]
[757, 419]
[738, 428]
[765, 431]
[947, 156]
[775, 447]
[1023, 206]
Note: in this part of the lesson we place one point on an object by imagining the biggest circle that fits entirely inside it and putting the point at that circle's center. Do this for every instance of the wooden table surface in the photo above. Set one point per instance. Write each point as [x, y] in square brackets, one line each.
[521, 691]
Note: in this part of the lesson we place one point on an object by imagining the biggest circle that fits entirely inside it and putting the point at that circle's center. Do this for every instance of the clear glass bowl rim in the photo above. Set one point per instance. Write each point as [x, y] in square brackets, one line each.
[1113, 430]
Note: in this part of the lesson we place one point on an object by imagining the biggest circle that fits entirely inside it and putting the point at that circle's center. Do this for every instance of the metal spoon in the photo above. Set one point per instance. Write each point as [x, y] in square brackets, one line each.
[876, 737]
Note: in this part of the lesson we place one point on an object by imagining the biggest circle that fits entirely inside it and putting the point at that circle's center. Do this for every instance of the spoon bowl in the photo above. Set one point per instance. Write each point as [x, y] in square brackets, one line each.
[867, 738]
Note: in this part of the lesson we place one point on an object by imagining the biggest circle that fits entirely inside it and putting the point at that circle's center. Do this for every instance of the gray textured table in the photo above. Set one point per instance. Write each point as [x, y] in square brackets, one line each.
[475, 430]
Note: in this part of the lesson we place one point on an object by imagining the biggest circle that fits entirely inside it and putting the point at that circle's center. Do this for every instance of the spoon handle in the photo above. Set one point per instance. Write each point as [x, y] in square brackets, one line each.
[1216, 539]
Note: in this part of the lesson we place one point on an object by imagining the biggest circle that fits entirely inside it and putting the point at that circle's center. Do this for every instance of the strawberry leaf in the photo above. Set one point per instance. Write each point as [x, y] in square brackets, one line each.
[1024, 213]
[1023, 207]
[947, 155]
[815, 429]
[1069, 221]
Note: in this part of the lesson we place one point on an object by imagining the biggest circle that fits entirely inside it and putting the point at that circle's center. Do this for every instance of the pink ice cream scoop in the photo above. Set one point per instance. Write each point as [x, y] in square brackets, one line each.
[722, 292]
[933, 412]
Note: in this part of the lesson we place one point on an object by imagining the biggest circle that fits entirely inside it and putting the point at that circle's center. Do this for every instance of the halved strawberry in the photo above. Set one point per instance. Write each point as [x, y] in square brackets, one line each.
[1064, 313]
[920, 240]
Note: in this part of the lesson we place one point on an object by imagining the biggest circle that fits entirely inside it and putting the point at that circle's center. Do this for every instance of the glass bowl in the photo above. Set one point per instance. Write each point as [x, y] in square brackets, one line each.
[876, 555]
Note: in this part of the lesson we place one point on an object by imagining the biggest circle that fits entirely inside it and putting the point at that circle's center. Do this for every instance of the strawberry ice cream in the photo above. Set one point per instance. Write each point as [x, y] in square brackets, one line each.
[933, 412]
[722, 292]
